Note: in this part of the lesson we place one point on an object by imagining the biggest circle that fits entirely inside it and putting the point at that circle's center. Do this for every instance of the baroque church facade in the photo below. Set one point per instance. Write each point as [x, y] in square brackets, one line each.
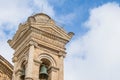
[39, 46]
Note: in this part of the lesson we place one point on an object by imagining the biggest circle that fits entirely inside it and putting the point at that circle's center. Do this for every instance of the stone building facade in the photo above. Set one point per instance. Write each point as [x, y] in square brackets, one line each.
[6, 69]
[39, 46]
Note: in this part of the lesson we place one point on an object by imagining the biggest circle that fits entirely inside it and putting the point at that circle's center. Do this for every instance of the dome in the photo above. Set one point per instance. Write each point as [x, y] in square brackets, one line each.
[43, 14]
[40, 17]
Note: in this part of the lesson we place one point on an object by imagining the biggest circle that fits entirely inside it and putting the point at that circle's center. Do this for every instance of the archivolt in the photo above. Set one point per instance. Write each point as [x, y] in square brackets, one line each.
[23, 61]
[48, 57]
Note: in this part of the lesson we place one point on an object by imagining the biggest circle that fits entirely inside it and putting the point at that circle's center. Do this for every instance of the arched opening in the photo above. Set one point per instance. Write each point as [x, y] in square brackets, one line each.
[50, 65]
[47, 59]
[44, 69]
[46, 62]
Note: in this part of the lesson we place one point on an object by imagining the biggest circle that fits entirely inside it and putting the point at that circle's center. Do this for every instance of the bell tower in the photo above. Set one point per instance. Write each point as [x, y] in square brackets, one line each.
[39, 46]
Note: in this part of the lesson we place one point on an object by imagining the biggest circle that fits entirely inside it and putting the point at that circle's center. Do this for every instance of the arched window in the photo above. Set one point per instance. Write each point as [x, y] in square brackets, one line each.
[43, 71]
[23, 71]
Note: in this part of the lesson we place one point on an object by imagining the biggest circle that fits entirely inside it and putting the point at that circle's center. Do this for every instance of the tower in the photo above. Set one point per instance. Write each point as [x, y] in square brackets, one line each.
[39, 46]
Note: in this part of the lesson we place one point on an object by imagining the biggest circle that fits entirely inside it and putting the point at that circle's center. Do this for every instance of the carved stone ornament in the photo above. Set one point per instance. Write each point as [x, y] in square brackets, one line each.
[14, 59]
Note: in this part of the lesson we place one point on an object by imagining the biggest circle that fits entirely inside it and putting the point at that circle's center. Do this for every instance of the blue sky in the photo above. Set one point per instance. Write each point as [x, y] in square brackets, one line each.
[93, 53]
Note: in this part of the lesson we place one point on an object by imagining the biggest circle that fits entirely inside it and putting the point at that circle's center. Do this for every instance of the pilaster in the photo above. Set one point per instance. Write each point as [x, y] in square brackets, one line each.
[61, 65]
[29, 69]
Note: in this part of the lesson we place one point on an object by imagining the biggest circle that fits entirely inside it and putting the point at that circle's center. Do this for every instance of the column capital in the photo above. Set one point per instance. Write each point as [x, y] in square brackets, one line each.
[52, 68]
[33, 43]
[37, 62]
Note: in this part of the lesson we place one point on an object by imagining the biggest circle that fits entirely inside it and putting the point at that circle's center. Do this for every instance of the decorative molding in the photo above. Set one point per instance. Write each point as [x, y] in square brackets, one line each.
[21, 52]
[4, 68]
[52, 68]
[3, 76]
[38, 62]
[48, 45]
[46, 33]
[14, 59]
[31, 42]
[47, 50]
[47, 39]
[2, 59]
[18, 72]
[49, 58]
[28, 78]
[62, 54]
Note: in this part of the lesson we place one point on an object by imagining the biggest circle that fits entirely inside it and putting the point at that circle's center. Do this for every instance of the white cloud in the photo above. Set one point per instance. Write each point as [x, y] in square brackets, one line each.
[100, 45]
[13, 11]
[45, 7]
[16, 11]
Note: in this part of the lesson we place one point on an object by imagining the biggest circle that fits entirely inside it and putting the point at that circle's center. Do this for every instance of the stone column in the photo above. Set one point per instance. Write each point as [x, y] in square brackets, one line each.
[14, 76]
[61, 71]
[29, 70]
[61, 65]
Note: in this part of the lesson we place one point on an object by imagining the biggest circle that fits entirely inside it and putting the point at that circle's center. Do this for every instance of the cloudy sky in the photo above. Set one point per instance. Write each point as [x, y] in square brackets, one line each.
[94, 51]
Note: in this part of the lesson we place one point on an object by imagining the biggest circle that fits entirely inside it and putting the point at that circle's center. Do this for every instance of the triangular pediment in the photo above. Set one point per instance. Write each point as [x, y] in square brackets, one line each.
[54, 30]
[45, 23]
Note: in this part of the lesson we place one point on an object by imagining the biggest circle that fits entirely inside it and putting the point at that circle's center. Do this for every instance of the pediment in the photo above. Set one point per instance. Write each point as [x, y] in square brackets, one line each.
[45, 23]
[57, 31]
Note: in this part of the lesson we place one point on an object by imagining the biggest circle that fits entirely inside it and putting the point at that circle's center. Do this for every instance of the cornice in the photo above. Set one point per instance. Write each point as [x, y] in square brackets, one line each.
[48, 46]
[6, 70]
[23, 50]
[62, 54]
[52, 68]
[48, 40]
[53, 30]
[14, 43]
[2, 59]
[6, 67]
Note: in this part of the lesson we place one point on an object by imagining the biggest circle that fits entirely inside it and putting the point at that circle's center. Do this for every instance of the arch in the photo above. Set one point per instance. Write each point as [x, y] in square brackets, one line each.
[22, 68]
[22, 61]
[48, 57]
